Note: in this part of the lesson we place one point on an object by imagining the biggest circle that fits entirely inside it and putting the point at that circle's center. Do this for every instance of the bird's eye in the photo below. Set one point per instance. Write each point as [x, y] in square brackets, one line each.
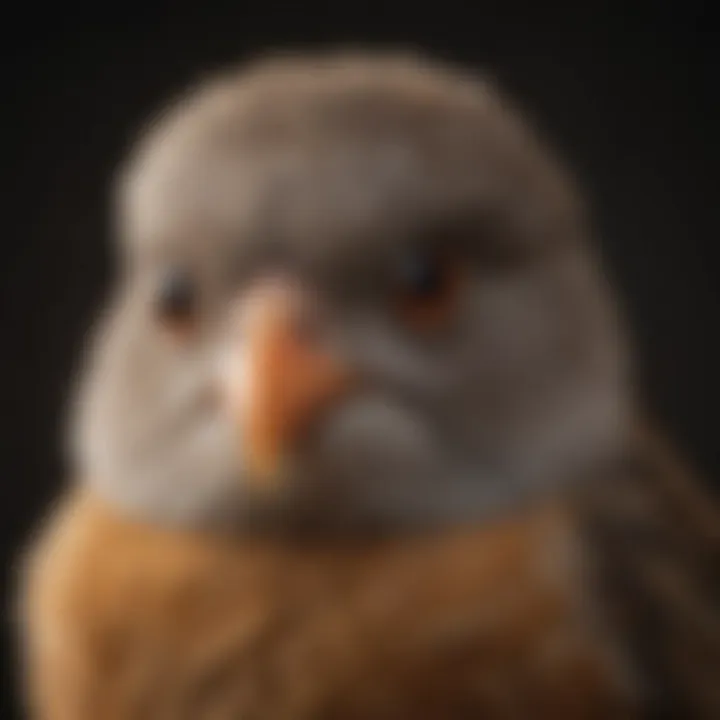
[426, 289]
[175, 298]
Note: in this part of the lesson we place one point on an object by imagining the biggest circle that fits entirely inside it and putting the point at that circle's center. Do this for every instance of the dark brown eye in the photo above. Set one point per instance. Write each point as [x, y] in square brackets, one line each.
[422, 275]
[176, 297]
[427, 285]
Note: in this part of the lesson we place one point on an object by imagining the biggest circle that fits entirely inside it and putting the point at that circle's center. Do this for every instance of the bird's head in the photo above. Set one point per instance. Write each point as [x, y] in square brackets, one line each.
[353, 290]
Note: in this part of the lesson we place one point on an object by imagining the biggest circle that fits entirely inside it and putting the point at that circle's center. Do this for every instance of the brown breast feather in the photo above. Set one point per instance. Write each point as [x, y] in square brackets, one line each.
[131, 621]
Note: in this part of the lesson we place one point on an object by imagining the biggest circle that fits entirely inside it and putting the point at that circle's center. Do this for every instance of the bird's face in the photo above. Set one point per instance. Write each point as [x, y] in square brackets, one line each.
[354, 293]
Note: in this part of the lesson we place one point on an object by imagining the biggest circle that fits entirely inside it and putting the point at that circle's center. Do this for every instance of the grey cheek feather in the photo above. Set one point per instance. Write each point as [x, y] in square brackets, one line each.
[388, 356]
[371, 439]
[392, 465]
[168, 455]
[193, 476]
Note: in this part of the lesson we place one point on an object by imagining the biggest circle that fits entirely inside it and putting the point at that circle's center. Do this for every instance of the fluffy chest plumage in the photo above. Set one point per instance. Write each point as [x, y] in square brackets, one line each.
[133, 622]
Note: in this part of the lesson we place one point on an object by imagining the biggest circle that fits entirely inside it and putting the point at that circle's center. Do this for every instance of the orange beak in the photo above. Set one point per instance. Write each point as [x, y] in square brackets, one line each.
[289, 378]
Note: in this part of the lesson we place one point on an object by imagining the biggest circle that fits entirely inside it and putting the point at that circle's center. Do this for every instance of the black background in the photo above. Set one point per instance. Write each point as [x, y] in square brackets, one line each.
[629, 96]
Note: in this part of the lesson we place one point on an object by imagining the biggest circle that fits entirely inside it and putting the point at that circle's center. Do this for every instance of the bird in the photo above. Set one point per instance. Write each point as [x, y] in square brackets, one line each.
[357, 433]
